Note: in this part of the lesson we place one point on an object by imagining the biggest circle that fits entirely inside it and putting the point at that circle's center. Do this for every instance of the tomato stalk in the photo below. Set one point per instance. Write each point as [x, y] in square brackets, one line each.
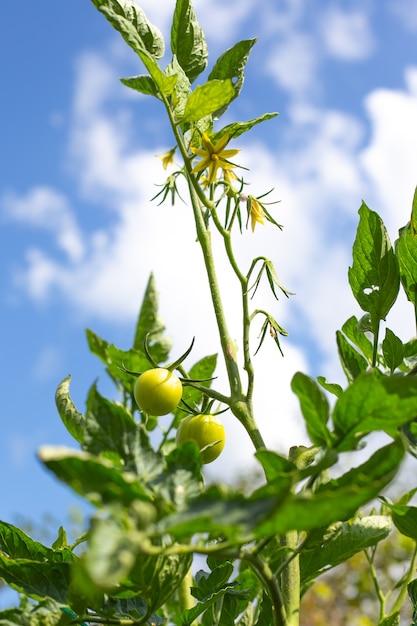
[240, 403]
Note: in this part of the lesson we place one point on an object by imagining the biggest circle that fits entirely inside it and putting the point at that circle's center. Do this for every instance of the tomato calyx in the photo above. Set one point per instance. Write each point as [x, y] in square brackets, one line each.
[175, 365]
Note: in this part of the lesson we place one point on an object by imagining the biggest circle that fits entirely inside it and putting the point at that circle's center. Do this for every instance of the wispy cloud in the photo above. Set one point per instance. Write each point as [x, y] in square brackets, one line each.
[405, 11]
[346, 35]
[47, 209]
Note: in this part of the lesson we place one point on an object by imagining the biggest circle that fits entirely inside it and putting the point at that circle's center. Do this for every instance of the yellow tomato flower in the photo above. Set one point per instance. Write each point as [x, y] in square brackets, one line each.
[167, 158]
[213, 157]
[256, 212]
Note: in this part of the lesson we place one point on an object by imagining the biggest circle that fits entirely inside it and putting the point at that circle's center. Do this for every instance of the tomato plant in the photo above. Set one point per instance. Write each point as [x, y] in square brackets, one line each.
[264, 547]
[206, 431]
[158, 391]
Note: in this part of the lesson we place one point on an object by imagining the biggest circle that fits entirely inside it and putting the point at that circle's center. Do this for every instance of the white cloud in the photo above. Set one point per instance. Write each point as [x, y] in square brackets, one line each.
[390, 159]
[47, 209]
[346, 35]
[293, 64]
[405, 11]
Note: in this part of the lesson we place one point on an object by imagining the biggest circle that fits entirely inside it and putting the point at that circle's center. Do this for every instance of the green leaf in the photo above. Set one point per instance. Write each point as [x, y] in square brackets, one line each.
[351, 328]
[231, 65]
[207, 98]
[150, 323]
[37, 579]
[336, 500]
[406, 250]
[135, 608]
[143, 83]
[314, 407]
[111, 428]
[412, 594]
[17, 545]
[333, 388]
[155, 578]
[372, 403]
[44, 613]
[128, 18]
[72, 419]
[374, 276]
[404, 518]
[327, 547]
[221, 510]
[210, 587]
[353, 363]
[393, 350]
[143, 38]
[188, 43]
[208, 583]
[274, 465]
[93, 478]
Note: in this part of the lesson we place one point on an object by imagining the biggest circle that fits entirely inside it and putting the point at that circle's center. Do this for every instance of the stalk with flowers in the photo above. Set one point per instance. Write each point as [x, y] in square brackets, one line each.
[155, 520]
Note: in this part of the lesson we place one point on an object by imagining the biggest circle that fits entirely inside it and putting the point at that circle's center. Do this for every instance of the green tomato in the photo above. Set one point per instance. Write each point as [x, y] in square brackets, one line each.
[204, 430]
[158, 391]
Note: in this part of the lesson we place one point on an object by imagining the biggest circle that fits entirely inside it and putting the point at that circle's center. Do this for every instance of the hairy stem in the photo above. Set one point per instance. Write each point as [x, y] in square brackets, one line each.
[265, 575]
[290, 580]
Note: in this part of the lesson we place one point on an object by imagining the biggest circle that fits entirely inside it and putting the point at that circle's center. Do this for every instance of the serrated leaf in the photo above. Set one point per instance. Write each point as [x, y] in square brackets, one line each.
[207, 98]
[353, 363]
[188, 43]
[314, 407]
[150, 323]
[405, 519]
[224, 511]
[336, 500]
[143, 38]
[274, 465]
[235, 129]
[374, 276]
[18, 545]
[351, 328]
[231, 65]
[111, 428]
[371, 404]
[72, 419]
[393, 350]
[143, 83]
[95, 479]
[326, 548]
[37, 579]
[406, 250]
[128, 18]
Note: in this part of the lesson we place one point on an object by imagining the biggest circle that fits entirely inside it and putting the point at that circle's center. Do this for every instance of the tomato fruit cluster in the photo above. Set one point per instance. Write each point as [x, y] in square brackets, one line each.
[206, 431]
[158, 391]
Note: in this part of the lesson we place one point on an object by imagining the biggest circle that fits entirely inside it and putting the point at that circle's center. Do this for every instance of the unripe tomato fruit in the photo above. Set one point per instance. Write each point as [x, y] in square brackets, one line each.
[203, 430]
[158, 391]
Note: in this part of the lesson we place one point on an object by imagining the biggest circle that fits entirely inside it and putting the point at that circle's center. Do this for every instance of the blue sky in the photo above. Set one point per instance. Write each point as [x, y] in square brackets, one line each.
[80, 237]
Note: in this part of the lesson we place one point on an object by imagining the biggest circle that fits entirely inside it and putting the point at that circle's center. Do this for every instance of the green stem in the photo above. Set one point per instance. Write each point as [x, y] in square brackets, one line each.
[290, 579]
[240, 406]
[375, 346]
[403, 591]
[379, 593]
[265, 575]
[186, 600]
[244, 282]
